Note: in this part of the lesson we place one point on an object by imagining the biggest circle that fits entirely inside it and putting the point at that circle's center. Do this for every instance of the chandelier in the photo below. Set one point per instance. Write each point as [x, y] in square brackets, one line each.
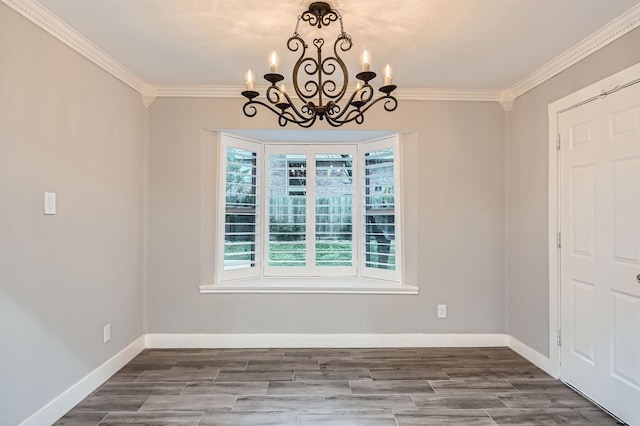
[320, 82]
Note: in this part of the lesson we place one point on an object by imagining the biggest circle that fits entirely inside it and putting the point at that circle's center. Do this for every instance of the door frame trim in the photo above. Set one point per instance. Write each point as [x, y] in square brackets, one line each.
[555, 108]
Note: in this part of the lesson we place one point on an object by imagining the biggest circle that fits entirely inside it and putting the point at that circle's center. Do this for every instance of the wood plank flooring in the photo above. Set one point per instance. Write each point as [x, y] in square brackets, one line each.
[415, 386]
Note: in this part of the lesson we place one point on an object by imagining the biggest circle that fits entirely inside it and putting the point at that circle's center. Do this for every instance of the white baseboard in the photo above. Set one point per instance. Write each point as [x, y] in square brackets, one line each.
[322, 340]
[535, 357]
[68, 399]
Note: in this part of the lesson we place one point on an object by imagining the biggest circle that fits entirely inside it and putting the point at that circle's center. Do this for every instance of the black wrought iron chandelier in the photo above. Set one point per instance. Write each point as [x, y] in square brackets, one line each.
[316, 80]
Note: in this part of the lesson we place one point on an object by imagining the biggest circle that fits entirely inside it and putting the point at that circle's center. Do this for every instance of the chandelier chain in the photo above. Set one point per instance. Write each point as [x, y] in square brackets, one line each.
[295, 32]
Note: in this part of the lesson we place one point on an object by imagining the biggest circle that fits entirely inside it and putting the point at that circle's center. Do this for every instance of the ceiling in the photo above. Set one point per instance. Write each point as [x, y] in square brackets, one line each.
[443, 44]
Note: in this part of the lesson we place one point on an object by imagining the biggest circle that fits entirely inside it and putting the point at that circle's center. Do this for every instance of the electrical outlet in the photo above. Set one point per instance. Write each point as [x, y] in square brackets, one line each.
[107, 333]
[442, 311]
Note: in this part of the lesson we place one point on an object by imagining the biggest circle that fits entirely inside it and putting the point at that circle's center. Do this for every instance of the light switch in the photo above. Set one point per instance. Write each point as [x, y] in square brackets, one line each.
[49, 203]
[442, 311]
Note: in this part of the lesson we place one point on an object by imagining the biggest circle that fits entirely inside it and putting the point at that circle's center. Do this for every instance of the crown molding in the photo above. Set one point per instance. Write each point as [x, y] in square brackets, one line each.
[426, 94]
[43, 18]
[418, 94]
[506, 100]
[148, 95]
[203, 91]
[620, 26]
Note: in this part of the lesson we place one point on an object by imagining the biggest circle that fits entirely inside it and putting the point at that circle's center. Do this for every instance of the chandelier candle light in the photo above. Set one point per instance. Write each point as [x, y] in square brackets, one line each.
[314, 80]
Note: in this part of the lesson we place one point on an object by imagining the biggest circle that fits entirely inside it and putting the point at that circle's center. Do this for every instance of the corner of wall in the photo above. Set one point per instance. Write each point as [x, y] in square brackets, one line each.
[145, 219]
[507, 178]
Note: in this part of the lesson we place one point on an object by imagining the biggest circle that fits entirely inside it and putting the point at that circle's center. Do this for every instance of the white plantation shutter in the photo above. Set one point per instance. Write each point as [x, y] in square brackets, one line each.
[287, 215]
[380, 248]
[310, 196]
[334, 210]
[240, 245]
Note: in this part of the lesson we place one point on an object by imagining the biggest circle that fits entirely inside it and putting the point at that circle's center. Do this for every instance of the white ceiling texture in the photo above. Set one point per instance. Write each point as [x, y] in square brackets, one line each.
[443, 44]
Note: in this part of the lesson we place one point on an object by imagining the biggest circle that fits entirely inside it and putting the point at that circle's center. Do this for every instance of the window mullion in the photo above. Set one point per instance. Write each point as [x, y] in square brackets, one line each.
[356, 210]
[311, 209]
[264, 210]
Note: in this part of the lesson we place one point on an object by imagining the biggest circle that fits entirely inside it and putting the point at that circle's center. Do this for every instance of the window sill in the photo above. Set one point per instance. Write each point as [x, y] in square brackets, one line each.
[310, 286]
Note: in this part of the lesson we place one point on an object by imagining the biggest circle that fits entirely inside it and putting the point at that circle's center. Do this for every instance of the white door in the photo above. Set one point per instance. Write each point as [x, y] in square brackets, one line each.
[600, 255]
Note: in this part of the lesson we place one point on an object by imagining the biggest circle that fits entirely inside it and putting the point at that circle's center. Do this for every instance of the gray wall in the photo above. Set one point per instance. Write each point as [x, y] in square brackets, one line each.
[454, 170]
[528, 270]
[65, 126]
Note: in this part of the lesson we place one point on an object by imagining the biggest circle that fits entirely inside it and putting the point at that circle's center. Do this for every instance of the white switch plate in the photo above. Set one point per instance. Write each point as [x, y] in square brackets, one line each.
[442, 311]
[107, 333]
[49, 203]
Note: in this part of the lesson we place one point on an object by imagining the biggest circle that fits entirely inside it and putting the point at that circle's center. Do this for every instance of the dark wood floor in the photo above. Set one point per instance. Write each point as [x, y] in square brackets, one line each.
[420, 386]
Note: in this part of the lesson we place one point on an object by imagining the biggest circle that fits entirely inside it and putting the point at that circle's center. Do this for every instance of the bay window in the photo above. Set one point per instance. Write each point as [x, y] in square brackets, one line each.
[309, 210]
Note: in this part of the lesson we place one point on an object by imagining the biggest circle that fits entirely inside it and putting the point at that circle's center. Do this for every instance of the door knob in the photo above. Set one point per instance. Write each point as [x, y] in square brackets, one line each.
[638, 277]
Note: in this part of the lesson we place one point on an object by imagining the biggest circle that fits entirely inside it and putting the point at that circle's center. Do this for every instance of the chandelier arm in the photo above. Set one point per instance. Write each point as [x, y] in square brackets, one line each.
[287, 117]
[252, 106]
[250, 110]
[334, 123]
[351, 115]
[390, 104]
[355, 115]
[365, 95]
[272, 94]
[302, 115]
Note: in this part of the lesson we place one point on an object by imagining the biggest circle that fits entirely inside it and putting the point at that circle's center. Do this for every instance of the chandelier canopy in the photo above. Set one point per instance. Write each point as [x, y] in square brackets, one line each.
[320, 82]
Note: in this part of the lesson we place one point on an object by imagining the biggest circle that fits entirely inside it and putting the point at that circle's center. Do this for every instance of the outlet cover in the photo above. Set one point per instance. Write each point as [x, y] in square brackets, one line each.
[49, 203]
[442, 311]
[107, 333]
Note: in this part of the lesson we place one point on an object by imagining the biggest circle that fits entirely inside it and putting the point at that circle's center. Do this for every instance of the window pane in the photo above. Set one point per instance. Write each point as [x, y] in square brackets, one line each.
[379, 209]
[334, 210]
[240, 210]
[287, 210]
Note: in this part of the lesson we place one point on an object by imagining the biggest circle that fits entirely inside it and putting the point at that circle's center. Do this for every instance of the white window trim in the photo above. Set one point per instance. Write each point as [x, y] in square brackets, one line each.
[310, 285]
[254, 280]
